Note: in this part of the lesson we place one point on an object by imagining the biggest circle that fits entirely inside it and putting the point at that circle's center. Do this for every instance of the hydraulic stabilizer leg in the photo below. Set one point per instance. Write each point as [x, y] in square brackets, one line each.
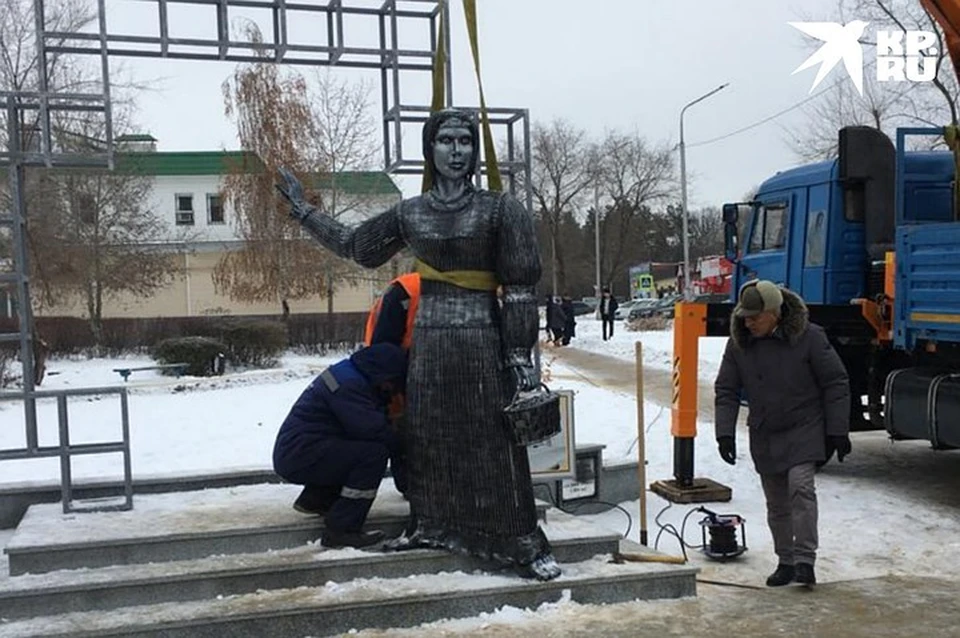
[683, 461]
[689, 324]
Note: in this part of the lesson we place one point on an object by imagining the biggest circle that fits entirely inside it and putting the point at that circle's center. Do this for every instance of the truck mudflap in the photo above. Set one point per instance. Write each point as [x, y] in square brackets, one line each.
[927, 303]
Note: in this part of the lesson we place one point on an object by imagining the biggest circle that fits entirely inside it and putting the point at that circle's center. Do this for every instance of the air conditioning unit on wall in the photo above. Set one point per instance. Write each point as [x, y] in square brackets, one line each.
[185, 218]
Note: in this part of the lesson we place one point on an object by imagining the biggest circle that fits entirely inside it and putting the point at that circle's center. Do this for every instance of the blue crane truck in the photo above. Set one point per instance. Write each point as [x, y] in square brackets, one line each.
[871, 241]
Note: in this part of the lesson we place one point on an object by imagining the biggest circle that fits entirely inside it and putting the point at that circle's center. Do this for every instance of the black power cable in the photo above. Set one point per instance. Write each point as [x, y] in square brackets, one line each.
[591, 502]
[671, 529]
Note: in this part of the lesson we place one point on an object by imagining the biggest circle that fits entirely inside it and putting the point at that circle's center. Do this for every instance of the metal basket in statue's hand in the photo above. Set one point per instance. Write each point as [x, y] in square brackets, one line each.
[533, 417]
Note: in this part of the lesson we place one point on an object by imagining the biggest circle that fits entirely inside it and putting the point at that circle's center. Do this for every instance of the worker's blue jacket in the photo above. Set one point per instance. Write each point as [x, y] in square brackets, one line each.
[342, 403]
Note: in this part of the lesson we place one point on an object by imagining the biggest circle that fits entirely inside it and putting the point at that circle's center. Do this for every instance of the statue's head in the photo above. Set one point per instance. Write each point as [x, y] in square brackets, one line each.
[451, 119]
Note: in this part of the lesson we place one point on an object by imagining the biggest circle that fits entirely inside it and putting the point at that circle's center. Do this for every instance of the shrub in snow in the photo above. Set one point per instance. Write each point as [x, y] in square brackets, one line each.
[253, 342]
[198, 352]
[642, 324]
[8, 357]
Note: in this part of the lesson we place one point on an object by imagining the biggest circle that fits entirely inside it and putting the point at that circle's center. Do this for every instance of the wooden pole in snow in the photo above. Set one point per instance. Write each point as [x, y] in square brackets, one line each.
[641, 446]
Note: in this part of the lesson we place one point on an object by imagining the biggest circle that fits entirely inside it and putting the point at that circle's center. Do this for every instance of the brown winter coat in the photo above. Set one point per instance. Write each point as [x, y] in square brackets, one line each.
[796, 387]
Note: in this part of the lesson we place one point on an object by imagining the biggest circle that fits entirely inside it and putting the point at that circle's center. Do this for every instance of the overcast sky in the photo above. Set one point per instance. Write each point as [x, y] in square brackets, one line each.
[601, 64]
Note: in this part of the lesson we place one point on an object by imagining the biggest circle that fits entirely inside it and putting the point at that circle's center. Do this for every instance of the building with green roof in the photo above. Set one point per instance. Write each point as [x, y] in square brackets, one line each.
[185, 195]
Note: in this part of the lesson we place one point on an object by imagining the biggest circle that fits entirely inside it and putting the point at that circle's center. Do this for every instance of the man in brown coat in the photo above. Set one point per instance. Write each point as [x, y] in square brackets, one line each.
[799, 408]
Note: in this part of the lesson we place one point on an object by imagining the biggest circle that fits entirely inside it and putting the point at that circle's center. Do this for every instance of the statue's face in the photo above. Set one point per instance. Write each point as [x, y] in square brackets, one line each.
[453, 151]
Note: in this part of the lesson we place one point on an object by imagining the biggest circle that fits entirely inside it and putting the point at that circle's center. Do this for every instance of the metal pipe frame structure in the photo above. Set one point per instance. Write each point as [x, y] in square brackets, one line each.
[515, 166]
[31, 111]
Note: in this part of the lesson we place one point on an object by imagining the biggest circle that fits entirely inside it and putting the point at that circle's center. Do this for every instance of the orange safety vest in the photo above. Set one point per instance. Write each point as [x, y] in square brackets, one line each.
[411, 284]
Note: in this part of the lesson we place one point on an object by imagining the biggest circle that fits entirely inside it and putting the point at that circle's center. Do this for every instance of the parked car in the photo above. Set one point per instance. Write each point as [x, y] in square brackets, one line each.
[713, 297]
[627, 309]
[657, 307]
[580, 308]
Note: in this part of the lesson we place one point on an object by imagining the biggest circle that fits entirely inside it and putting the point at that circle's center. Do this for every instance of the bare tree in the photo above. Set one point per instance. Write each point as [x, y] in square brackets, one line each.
[19, 61]
[706, 233]
[345, 139]
[885, 106]
[634, 176]
[880, 107]
[562, 169]
[97, 240]
[275, 125]
[89, 235]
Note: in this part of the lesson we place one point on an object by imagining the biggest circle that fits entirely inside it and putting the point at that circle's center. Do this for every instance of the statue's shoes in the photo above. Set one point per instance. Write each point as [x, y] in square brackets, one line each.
[544, 567]
[406, 542]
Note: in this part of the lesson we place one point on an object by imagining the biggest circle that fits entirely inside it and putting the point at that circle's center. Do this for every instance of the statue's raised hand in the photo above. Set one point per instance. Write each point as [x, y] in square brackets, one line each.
[291, 188]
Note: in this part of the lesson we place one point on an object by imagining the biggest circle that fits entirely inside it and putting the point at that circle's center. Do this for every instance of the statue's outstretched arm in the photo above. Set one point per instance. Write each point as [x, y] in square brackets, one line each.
[370, 244]
[518, 271]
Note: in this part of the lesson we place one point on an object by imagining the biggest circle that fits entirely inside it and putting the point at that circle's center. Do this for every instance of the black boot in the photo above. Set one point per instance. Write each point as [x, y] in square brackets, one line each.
[334, 539]
[782, 576]
[805, 574]
[316, 500]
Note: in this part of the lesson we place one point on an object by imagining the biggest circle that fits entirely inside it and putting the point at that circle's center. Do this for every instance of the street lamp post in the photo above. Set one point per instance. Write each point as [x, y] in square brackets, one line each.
[596, 244]
[687, 290]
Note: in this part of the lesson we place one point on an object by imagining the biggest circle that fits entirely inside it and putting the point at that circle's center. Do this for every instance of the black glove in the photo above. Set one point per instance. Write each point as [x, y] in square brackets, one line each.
[840, 444]
[293, 191]
[524, 378]
[728, 449]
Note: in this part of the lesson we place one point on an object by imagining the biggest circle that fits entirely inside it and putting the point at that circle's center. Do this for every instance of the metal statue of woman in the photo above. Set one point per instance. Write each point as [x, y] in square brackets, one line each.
[470, 488]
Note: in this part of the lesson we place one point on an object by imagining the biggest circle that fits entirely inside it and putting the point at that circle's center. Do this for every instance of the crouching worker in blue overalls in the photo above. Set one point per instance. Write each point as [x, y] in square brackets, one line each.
[337, 439]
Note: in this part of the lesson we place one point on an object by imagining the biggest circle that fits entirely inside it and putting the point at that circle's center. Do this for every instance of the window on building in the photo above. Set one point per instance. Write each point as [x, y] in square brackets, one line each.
[86, 208]
[770, 230]
[8, 304]
[214, 209]
[184, 210]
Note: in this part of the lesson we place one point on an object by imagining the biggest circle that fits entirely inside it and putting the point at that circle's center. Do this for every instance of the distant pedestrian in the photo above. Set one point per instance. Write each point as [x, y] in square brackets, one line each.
[569, 319]
[608, 313]
[556, 320]
[799, 410]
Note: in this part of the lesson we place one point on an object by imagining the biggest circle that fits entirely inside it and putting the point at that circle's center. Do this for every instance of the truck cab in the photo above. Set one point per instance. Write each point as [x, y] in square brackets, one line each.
[826, 231]
[822, 229]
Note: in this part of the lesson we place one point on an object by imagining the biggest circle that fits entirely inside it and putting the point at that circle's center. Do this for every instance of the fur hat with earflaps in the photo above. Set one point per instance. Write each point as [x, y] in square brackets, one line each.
[758, 296]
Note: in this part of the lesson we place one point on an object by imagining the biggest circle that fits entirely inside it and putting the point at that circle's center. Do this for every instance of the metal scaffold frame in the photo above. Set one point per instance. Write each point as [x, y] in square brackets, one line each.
[30, 112]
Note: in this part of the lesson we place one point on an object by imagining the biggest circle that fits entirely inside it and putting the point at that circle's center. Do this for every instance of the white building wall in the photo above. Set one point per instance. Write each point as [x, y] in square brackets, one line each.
[193, 294]
[163, 205]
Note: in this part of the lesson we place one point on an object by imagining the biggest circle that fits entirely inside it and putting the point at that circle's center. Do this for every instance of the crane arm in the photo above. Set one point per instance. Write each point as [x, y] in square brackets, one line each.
[947, 15]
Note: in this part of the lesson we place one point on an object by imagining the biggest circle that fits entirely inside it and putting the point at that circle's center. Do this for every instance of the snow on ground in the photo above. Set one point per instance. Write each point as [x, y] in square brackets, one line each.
[887, 509]
[657, 345]
[196, 425]
[179, 426]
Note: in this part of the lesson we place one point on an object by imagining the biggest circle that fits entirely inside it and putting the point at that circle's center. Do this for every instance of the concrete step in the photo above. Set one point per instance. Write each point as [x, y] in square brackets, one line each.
[307, 566]
[336, 608]
[180, 526]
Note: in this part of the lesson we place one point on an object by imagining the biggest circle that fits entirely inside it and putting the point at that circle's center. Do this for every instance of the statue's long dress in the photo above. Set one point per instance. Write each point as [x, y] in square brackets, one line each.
[469, 487]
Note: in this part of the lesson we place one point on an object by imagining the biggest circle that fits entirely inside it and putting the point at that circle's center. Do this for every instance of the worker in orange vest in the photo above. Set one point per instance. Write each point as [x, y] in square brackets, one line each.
[391, 318]
[391, 321]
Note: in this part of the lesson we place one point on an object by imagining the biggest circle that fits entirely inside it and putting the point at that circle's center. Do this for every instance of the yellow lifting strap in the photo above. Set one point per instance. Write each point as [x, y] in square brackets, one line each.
[469, 279]
[483, 280]
[439, 89]
[494, 181]
[493, 169]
